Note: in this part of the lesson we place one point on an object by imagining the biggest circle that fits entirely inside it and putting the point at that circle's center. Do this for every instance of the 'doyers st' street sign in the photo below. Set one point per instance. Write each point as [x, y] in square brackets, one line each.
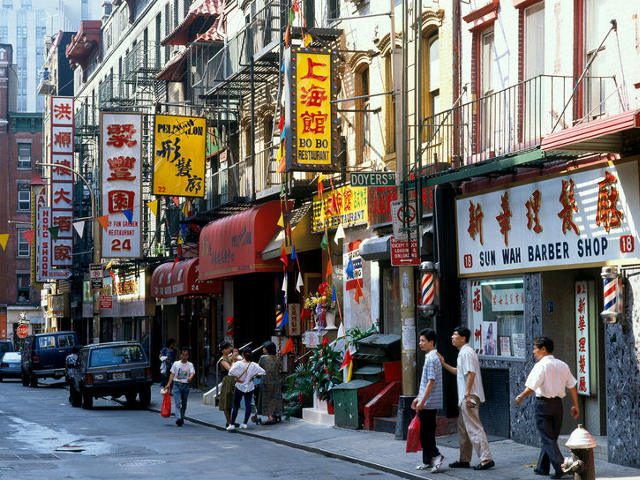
[373, 179]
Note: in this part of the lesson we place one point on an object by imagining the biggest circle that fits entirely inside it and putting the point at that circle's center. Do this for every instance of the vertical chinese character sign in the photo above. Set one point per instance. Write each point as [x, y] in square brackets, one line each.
[43, 215]
[179, 149]
[121, 147]
[582, 337]
[311, 118]
[61, 192]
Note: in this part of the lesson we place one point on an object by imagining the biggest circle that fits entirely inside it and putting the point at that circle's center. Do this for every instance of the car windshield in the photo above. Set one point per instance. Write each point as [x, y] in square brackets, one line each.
[116, 355]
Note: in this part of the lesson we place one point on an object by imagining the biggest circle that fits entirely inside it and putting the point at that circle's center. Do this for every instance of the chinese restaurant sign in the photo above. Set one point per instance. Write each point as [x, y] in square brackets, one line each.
[346, 205]
[61, 194]
[121, 179]
[584, 218]
[379, 203]
[311, 118]
[44, 272]
[178, 155]
[582, 337]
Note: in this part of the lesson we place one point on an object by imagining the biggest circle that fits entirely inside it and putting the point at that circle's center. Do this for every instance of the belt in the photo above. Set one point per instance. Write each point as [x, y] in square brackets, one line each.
[543, 399]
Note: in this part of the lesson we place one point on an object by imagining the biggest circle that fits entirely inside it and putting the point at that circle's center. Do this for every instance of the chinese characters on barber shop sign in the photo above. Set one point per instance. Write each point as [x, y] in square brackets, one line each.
[588, 217]
[311, 117]
[121, 145]
[179, 149]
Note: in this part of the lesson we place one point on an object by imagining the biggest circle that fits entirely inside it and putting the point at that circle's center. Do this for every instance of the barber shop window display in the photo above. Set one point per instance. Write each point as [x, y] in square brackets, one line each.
[496, 317]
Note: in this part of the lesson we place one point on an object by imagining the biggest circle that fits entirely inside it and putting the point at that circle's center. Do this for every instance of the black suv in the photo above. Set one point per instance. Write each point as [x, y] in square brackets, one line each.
[44, 354]
[110, 369]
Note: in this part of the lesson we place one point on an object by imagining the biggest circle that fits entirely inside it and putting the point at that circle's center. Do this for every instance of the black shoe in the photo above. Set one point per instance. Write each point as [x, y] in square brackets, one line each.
[459, 464]
[179, 422]
[485, 466]
[540, 472]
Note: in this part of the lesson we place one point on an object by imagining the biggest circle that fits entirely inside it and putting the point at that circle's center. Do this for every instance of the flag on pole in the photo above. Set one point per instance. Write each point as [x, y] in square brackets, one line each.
[299, 283]
[109, 265]
[349, 270]
[153, 206]
[281, 221]
[283, 256]
[284, 283]
[359, 293]
[129, 214]
[28, 236]
[186, 208]
[329, 268]
[293, 253]
[347, 360]
[334, 294]
[104, 221]
[339, 233]
[324, 243]
[288, 347]
[79, 226]
[4, 239]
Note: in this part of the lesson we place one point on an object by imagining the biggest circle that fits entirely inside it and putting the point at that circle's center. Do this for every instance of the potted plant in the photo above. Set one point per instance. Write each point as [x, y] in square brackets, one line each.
[299, 391]
[324, 365]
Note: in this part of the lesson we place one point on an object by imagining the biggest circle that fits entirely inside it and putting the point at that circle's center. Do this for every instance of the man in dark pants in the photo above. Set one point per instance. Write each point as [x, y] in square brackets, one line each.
[549, 379]
[428, 401]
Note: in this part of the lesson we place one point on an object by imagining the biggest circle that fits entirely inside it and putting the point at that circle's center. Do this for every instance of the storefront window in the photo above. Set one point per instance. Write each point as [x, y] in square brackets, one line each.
[496, 317]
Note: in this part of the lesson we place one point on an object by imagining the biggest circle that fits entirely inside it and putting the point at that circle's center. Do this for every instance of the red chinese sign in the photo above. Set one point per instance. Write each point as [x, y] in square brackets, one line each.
[569, 207]
[582, 337]
[379, 203]
[504, 217]
[608, 215]
[121, 190]
[310, 118]
[533, 211]
[61, 191]
[475, 221]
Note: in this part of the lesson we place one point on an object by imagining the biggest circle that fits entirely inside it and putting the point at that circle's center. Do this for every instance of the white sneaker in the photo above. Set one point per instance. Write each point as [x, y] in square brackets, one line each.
[231, 428]
[423, 466]
[243, 426]
[437, 464]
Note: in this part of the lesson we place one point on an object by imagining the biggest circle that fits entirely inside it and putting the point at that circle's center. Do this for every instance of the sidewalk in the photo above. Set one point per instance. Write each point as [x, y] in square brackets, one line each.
[381, 451]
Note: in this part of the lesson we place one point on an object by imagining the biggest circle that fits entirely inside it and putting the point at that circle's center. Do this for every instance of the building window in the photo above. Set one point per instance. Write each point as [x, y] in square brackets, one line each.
[598, 98]
[7, 3]
[334, 9]
[430, 83]
[24, 155]
[23, 281]
[362, 121]
[389, 107]
[487, 80]
[496, 317]
[534, 41]
[23, 245]
[24, 197]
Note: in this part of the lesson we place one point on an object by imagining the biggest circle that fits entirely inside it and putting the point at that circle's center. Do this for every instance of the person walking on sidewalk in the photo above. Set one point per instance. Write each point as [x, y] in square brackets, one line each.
[228, 383]
[471, 434]
[182, 373]
[244, 371]
[549, 379]
[429, 401]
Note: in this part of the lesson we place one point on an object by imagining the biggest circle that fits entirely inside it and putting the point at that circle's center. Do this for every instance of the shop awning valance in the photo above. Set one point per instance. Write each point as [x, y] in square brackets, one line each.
[199, 19]
[173, 279]
[303, 239]
[174, 69]
[233, 245]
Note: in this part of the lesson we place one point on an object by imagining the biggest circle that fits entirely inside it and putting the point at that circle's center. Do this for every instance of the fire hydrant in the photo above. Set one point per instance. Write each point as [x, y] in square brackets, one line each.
[581, 463]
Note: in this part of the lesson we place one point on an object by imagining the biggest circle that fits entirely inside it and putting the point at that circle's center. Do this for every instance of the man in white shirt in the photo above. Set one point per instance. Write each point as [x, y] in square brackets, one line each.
[471, 434]
[182, 373]
[549, 379]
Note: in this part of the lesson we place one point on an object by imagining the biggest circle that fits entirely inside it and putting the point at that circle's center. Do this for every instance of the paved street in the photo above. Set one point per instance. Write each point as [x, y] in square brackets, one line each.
[116, 442]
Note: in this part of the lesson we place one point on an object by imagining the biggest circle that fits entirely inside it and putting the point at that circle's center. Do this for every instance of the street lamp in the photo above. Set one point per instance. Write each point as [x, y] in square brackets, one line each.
[97, 253]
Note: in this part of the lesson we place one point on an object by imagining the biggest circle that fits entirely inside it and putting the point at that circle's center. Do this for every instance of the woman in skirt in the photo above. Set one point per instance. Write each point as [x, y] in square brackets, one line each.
[225, 397]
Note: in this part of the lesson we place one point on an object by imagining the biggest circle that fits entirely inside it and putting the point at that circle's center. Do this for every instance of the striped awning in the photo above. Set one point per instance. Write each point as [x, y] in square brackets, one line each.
[199, 19]
[174, 69]
[215, 34]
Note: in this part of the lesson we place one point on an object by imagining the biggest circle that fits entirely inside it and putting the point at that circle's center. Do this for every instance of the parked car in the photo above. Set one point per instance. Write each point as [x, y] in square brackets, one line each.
[111, 369]
[10, 365]
[44, 354]
[5, 346]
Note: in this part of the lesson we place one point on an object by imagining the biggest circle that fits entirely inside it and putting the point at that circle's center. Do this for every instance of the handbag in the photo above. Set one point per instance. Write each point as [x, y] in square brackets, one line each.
[165, 411]
[413, 436]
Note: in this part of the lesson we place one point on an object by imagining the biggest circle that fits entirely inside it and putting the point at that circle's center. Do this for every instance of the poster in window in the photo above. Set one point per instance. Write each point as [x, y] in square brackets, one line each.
[490, 338]
[519, 345]
[505, 346]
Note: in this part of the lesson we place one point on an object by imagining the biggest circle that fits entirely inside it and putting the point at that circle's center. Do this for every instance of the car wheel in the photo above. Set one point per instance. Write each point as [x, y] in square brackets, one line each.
[131, 398]
[145, 397]
[87, 400]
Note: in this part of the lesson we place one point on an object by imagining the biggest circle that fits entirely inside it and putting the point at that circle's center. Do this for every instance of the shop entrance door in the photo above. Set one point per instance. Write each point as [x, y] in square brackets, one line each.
[495, 410]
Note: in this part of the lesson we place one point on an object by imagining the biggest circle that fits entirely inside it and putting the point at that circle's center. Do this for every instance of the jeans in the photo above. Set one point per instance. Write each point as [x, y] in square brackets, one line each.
[428, 435]
[180, 398]
[237, 398]
[549, 423]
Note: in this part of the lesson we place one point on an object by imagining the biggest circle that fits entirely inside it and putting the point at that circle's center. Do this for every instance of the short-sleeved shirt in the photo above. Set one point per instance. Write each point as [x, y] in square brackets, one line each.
[182, 371]
[245, 373]
[432, 370]
[468, 362]
[550, 378]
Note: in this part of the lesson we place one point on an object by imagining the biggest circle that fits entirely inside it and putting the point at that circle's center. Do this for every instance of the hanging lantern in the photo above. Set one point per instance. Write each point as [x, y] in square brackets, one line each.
[428, 272]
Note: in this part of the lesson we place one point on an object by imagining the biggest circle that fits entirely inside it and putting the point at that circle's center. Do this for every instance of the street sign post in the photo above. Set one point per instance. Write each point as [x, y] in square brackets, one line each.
[373, 179]
[95, 274]
[404, 219]
[404, 253]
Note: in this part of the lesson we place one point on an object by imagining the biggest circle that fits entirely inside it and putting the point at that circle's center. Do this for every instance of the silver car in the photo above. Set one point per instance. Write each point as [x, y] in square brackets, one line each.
[10, 365]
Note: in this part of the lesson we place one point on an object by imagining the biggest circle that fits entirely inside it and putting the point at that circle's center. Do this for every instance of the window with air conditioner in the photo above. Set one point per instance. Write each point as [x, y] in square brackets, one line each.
[24, 198]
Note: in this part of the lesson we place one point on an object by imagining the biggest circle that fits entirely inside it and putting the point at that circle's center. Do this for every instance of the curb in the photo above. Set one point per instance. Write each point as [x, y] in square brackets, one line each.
[306, 448]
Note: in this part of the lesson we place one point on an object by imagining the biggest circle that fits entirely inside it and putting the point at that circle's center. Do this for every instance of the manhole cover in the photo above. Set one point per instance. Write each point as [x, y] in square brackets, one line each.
[142, 462]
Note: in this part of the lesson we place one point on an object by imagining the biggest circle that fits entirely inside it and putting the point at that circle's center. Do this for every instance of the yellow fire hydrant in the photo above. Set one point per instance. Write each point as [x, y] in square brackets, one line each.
[581, 463]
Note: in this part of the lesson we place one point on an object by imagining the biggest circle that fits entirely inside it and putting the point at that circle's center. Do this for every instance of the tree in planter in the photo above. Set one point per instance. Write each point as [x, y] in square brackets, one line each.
[325, 370]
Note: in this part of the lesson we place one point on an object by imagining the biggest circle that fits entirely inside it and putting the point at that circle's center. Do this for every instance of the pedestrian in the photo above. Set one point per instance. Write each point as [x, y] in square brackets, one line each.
[429, 401]
[228, 384]
[244, 371]
[549, 379]
[167, 357]
[70, 365]
[471, 434]
[270, 384]
[181, 373]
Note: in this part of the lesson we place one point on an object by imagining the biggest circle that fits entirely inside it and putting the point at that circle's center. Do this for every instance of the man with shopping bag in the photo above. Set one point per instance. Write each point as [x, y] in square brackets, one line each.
[428, 401]
[182, 373]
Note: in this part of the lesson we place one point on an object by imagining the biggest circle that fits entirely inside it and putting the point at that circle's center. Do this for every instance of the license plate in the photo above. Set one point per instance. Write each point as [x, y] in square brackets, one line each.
[119, 376]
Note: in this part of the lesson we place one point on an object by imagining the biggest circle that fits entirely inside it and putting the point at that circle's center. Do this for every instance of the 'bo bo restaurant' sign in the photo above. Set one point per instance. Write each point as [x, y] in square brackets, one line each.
[588, 217]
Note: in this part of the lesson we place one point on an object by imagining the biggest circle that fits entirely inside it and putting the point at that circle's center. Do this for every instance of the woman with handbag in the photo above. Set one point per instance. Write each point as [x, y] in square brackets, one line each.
[244, 372]
[228, 384]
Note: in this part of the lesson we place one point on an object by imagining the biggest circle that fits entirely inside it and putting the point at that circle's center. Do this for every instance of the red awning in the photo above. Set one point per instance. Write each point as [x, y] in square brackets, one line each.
[174, 69]
[173, 279]
[606, 135]
[215, 34]
[233, 245]
[199, 19]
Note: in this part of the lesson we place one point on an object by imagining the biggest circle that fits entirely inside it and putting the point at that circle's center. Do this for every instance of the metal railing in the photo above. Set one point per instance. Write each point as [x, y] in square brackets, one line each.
[230, 182]
[141, 62]
[111, 89]
[512, 120]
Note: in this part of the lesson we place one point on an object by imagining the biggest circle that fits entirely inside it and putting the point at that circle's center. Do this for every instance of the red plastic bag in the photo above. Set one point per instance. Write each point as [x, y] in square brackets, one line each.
[413, 436]
[165, 411]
